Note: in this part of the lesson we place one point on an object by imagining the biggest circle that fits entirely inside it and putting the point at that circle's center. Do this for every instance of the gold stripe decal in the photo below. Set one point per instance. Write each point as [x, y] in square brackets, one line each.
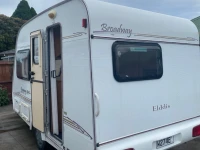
[21, 96]
[75, 126]
[167, 37]
[77, 34]
[150, 36]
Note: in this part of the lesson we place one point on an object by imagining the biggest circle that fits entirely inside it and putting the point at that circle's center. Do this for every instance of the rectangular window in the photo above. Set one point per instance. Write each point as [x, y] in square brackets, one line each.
[137, 61]
[23, 64]
[35, 48]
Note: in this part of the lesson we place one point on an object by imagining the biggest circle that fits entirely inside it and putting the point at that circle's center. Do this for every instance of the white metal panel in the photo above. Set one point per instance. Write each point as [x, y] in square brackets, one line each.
[16, 105]
[22, 106]
[134, 23]
[182, 133]
[127, 108]
[21, 92]
[77, 94]
[144, 26]
[25, 111]
[78, 116]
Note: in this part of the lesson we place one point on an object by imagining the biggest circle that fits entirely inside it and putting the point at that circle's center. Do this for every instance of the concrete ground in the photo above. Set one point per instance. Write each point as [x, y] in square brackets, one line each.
[15, 134]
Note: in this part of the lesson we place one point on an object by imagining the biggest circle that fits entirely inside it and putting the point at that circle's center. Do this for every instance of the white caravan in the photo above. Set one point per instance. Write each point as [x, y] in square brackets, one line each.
[91, 75]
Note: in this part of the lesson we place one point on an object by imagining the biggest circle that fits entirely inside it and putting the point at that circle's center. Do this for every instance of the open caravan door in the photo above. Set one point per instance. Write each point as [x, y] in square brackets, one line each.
[37, 80]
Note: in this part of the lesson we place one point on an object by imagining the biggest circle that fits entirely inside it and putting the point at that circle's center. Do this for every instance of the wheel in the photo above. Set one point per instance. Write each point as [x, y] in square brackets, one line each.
[42, 145]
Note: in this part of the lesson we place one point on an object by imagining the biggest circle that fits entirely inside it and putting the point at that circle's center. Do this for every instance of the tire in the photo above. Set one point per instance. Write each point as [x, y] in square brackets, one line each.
[42, 145]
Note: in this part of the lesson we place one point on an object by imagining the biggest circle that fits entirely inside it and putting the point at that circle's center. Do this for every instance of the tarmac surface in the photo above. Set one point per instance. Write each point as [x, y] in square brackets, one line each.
[15, 134]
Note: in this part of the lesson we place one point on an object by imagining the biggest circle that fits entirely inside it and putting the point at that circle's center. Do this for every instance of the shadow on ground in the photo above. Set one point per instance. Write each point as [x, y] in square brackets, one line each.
[14, 133]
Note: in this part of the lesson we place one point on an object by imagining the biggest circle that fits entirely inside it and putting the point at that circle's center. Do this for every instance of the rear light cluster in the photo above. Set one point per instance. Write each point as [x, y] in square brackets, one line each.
[84, 23]
[130, 149]
[196, 131]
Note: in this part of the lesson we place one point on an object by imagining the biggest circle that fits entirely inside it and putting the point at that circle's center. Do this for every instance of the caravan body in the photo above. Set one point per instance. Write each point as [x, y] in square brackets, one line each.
[87, 77]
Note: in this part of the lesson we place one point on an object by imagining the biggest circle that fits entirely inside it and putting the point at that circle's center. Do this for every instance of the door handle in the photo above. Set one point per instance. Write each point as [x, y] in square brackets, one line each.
[97, 110]
[31, 73]
[53, 74]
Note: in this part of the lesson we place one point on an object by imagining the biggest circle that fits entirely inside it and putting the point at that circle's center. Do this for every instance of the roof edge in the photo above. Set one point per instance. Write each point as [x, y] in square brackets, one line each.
[58, 4]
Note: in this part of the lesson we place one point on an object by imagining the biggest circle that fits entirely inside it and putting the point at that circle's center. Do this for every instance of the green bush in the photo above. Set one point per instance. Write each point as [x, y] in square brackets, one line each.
[9, 28]
[23, 11]
[4, 99]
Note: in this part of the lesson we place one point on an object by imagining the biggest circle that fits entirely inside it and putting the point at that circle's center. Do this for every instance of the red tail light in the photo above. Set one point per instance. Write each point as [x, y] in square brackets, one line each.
[84, 23]
[130, 149]
[196, 131]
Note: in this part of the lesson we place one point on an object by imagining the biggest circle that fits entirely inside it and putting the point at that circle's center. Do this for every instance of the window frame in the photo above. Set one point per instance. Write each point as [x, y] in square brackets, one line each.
[33, 49]
[29, 65]
[114, 60]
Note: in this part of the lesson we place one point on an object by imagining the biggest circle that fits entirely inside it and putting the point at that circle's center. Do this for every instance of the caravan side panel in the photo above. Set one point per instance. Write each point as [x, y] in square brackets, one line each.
[78, 125]
[22, 96]
[77, 87]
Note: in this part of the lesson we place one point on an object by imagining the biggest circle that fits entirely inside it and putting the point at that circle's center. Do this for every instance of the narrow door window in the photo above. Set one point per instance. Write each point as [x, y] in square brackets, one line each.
[35, 50]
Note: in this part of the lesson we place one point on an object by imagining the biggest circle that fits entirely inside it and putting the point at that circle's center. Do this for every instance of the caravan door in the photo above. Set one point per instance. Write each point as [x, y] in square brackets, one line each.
[37, 80]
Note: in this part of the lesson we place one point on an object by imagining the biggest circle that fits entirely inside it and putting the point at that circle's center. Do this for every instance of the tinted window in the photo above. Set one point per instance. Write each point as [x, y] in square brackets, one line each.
[23, 64]
[35, 48]
[137, 61]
